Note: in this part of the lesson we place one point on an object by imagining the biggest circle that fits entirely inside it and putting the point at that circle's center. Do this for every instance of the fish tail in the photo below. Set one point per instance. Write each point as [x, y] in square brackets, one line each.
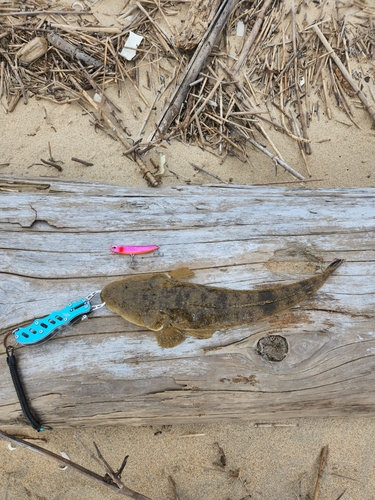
[334, 265]
[311, 285]
[315, 282]
[258, 304]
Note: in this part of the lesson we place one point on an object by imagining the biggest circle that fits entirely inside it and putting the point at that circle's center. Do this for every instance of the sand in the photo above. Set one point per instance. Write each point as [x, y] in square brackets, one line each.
[262, 462]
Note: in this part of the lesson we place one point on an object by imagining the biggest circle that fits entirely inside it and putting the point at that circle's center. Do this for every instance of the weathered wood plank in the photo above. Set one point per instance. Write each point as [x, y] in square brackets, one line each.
[54, 247]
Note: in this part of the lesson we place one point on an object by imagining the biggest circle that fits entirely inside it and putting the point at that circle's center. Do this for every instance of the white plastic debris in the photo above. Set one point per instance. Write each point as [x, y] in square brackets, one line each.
[162, 163]
[79, 5]
[301, 81]
[11, 447]
[64, 455]
[240, 28]
[130, 48]
[97, 97]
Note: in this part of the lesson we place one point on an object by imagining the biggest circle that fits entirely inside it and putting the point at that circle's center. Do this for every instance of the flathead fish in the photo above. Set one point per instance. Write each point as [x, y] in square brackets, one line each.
[173, 309]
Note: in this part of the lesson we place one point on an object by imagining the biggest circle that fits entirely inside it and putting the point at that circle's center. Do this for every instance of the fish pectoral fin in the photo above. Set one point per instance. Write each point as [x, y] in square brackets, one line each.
[169, 336]
[181, 273]
[201, 334]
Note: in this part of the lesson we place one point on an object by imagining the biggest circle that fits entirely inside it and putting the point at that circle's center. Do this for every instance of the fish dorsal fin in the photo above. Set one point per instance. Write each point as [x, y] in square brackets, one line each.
[169, 336]
[181, 273]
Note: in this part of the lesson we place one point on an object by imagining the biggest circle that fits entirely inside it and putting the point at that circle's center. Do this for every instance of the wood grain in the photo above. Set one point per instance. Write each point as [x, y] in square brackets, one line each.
[54, 246]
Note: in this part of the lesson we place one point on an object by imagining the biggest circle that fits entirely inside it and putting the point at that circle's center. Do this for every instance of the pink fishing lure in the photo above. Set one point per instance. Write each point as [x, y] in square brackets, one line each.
[133, 250]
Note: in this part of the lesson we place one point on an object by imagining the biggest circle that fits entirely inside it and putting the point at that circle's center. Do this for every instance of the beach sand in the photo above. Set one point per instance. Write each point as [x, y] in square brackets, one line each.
[274, 462]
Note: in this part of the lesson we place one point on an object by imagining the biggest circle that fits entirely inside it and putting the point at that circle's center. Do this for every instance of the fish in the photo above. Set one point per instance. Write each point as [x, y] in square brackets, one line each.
[173, 309]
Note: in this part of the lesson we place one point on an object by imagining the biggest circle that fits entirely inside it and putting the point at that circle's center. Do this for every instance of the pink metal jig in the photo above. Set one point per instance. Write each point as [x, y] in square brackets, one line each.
[133, 250]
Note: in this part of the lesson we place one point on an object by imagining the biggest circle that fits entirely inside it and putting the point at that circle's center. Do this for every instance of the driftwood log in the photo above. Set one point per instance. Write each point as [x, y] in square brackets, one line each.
[55, 239]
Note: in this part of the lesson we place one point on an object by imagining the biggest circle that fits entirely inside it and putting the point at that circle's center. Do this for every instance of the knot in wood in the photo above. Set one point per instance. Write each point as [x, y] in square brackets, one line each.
[272, 347]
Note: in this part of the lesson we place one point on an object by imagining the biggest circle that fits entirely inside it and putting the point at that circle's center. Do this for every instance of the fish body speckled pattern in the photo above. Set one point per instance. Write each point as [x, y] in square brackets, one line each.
[173, 309]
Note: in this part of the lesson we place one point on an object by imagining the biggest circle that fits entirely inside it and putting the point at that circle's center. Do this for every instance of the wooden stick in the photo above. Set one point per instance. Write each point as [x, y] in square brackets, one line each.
[250, 39]
[65, 462]
[72, 51]
[2, 78]
[304, 145]
[322, 464]
[151, 109]
[83, 162]
[88, 29]
[52, 164]
[45, 12]
[13, 101]
[287, 182]
[370, 107]
[325, 94]
[207, 173]
[174, 488]
[103, 82]
[196, 63]
[270, 155]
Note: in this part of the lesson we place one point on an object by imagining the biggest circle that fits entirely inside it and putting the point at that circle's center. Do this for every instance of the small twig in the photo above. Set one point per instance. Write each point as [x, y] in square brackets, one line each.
[122, 467]
[13, 101]
[50, 152]
[103, 462]
[305, 146]
[88, 29]
[65, 462]
[152, 108]
[325, 93]
[287, 182]
[222, 462]
[207, 173]
[174, 488]
[133, 148]
[44, 12]
[270, 155]
[52, 164]
[72, 51]
[2, 78]
[341, 494]
[266, 424]
[103, 83]
[110, 476]
[86, 163]
[322, 464]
